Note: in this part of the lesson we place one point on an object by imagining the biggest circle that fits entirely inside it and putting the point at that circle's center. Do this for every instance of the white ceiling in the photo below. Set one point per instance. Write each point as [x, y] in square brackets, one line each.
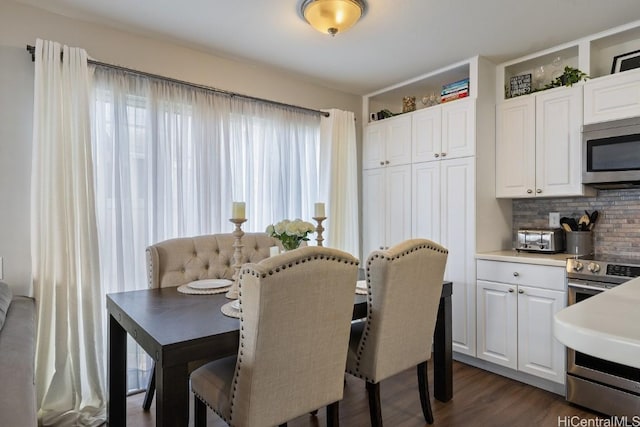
[396, 40]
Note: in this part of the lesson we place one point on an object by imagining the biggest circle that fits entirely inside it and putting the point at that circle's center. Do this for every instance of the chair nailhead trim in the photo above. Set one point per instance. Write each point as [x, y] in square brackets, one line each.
[251, 272]
[382, 255]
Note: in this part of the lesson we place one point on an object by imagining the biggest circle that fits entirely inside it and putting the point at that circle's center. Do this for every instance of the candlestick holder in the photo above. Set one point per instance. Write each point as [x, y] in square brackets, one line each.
[232, 293]
[319, 229]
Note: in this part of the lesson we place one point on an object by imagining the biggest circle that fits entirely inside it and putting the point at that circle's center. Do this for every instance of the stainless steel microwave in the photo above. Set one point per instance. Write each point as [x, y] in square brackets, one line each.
[611, 154]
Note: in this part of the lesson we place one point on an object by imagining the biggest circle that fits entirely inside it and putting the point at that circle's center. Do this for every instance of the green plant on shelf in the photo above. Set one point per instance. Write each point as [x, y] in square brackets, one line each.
[568, 78]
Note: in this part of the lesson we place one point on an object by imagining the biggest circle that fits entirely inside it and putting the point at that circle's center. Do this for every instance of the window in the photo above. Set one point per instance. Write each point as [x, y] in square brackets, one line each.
[169, 160]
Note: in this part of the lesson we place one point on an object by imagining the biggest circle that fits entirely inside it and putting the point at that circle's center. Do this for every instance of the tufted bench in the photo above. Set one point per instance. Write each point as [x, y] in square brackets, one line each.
[178, 261]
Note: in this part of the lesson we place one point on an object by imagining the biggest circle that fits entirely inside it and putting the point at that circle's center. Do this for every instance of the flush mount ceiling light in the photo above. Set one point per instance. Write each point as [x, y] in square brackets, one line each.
[332, 16]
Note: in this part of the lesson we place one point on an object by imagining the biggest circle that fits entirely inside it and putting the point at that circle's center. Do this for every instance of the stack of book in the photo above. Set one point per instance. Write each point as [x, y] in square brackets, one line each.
[455, 90]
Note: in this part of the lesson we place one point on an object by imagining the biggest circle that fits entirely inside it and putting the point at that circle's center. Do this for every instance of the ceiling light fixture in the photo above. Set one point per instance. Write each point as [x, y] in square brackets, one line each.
[332, 16]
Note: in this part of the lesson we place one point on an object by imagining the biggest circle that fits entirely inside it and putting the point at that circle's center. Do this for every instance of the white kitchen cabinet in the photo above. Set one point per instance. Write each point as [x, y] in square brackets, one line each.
[515, 306]
[539, 353]
[458, 129]
[386, 183]
[558, 143]
[516, 147]
[426, 200]
[446, 131]
[450, 194]
[443, 211]
[387, 143]
[612, 97]
[497, 313]
[386, 207]
[538, 145]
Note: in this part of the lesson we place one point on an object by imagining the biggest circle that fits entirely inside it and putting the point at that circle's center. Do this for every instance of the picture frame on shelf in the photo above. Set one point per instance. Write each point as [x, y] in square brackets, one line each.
[520, 85]
[626, 61]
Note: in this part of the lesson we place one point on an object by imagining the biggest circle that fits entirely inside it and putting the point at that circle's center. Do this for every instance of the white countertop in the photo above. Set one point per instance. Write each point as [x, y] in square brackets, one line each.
[556, 260]
[606, 325]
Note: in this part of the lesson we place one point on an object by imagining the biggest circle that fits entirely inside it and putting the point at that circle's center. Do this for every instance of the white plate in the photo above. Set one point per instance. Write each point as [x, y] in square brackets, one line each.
[209, 283]
[361, 284]
[235, 305]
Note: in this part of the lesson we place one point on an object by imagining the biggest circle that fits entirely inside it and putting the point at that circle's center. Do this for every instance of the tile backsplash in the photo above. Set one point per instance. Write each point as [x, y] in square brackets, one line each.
[617, 231]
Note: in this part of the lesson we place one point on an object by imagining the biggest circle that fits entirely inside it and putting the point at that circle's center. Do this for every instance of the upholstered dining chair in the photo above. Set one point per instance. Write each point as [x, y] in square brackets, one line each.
[295, 314]
[179, 261]
[404, 286]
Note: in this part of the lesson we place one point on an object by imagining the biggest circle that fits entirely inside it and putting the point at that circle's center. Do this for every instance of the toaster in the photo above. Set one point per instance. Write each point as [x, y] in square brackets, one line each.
[541, 240]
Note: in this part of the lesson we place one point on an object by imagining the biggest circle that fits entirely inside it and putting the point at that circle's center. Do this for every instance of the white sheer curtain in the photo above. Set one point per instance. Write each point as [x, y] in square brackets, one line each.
[69, 354]
[164, 160]
[339, 180]
[170, 159]
[275, 160]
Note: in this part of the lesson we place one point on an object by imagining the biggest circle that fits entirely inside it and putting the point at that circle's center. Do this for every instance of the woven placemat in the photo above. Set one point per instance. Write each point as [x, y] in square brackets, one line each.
[228, 310]
[185, 289]
[361, 290]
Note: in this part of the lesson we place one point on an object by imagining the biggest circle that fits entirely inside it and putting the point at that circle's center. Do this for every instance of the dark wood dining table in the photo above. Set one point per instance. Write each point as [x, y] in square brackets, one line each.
[176, 329]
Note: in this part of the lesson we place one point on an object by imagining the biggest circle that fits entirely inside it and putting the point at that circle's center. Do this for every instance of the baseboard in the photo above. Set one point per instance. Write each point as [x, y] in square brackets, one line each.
[510, 373]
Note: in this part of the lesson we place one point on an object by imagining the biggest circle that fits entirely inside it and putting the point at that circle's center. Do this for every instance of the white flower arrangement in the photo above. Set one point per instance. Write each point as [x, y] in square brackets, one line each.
[291, 233]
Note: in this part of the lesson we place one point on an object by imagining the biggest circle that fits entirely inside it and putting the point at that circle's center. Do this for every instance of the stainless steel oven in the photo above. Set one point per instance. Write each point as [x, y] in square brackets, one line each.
[598, 384]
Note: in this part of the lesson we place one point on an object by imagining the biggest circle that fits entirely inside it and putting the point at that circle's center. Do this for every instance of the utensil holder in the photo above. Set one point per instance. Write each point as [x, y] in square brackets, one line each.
[580, 242]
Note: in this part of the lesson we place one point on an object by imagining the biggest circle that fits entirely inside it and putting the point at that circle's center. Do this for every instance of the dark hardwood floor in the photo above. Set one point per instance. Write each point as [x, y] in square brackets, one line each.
[479, 399]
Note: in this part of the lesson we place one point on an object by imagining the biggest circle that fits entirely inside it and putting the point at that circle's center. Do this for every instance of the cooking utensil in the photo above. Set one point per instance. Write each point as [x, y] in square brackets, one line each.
[583, 223]
[592, 220]
[568, 224]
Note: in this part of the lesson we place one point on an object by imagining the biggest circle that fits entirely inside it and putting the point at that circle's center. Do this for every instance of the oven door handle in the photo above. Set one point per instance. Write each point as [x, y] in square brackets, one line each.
[575, 285]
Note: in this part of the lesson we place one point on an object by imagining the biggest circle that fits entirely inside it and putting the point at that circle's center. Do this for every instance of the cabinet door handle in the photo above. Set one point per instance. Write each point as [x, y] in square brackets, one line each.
[436, 155]
[381, 163]
[516, 274]
[444, 154]
[529, 191]
[381, 248]
[386, 162]
[520, 291]
[510, 290]
[539, 191]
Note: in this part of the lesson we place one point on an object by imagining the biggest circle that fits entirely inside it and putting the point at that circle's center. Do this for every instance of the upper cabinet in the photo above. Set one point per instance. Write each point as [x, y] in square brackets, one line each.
[614, 91]
[538, 134]
[446, 131]
[387, 143]
[538, 150]
[613, 97]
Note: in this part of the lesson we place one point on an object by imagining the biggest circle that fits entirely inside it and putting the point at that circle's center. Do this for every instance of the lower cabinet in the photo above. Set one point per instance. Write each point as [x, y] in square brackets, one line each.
[515, 308]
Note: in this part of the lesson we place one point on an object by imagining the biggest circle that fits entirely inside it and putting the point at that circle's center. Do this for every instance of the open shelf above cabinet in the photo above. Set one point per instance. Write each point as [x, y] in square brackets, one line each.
[426, 86]
[543, 67]
[606, 46]
[593, 55]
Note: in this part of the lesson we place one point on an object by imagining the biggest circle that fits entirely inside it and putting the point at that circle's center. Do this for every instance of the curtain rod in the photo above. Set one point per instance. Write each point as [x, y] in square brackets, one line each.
[32, 51]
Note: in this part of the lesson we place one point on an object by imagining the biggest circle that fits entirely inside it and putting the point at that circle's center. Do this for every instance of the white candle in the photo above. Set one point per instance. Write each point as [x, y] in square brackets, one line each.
[237, 211]
[319, 210]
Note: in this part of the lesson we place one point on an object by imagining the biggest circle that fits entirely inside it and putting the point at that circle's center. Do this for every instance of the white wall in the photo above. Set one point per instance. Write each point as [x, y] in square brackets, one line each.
[21, 25]
[16, 105]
